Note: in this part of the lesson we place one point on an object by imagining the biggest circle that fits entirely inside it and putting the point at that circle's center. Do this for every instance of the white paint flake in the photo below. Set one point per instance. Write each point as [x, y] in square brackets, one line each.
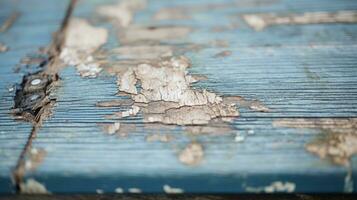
[261, 21]
[239, 138]
[277, 186]
[123, 12]
[171, 190]
[119, 190]
[192, 154]
[31, 186]
[134, 190]
[80, 43]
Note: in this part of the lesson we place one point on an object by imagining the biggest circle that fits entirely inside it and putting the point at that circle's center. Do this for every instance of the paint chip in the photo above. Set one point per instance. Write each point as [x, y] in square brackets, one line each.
[123, 12]
[133, 111]
[79, 36]
[111, 128]
[80, 44]
[277, 186]
[192, 154]
[254, 105]
[34, 158]
[11, 88]
[261, 21]
[99, 191]
[251, 132]
[31, 186]
[3, 48]
[258, 106]
[338, 141]
[171, 190]
[119, 190]
[135, 190]
[239, 138]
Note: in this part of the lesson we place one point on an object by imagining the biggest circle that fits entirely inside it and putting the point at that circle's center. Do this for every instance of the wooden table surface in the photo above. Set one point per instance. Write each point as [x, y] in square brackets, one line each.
[305, 74]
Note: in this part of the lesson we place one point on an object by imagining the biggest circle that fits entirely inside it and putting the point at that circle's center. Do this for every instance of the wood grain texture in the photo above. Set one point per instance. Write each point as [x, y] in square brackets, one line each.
[306, 71]
[31, 30]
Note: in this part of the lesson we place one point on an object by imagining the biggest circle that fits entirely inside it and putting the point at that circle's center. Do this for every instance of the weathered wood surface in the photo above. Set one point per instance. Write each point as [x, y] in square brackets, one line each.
[32, 29]
[297, 71]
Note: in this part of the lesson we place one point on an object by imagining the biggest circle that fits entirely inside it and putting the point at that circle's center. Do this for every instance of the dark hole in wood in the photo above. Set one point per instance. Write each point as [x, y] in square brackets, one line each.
[32, 94]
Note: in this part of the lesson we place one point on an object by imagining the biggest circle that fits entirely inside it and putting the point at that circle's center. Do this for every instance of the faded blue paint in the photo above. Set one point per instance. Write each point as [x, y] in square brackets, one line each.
[297, 71]
[28, 33]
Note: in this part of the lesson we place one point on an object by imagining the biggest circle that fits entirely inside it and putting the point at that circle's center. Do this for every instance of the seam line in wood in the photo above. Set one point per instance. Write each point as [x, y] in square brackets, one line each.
[49, 68]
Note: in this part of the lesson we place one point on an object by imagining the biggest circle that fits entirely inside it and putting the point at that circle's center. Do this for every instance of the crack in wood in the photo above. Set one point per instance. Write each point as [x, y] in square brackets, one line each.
[32, 100]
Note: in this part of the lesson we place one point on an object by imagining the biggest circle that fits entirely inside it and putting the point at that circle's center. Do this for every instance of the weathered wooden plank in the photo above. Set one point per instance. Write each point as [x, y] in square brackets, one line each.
[305, 71]
[291, 77]
[73, 136]
[25, 36]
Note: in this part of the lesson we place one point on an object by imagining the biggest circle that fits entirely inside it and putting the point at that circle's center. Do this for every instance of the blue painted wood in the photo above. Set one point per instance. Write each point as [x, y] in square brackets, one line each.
[81, 158]
[28, 33]
[273, 66]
